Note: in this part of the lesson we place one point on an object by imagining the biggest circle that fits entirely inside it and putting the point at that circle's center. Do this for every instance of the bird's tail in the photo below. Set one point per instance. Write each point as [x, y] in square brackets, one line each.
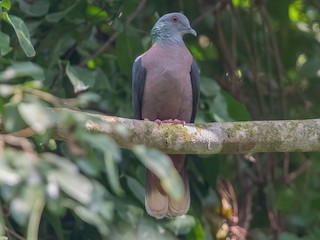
[158, 203]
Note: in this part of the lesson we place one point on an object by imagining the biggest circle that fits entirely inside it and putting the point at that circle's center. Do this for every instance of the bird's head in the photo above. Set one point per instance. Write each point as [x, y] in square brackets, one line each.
[171, 28]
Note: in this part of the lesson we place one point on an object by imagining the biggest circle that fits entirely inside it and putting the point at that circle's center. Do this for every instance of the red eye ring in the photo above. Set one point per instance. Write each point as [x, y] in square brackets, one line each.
[174, 19]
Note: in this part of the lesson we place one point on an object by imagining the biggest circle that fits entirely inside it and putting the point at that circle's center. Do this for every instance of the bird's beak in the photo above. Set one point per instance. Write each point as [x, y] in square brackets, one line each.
[192, 31]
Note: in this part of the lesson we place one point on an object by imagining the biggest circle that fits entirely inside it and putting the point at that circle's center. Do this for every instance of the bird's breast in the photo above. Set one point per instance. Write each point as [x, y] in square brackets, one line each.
[171, 63]
[168, 90]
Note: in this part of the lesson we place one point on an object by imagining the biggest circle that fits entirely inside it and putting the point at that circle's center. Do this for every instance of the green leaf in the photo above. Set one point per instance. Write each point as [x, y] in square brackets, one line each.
[297, 12]
[75, 185]
[36, 8]
[111, 153]
[90, 168]
[105, 144]
[12, 119]
[242, 3]
[57, 16]
[4, 44]
[2, 229]
[105, 209]
[93, 218]
[8, 176]
[215, 99]
[209, 87]
[20, 209]
[136, 188]
[95, 13]
[128, 212]
[219, 108]
[22, 33]
[151, 231]
[197, 232]
[285, 200]
[6, 4]
[36, 116]
[311, 68]
[88, 97]
[35, 214]
[22, 205]
[182, 224]
[7, 90]
[288, 236]
[128, 47]
[112, 173]
[60, 163]
[161, 165]
[22, 69]
[237, 110]
[80, 78]
[209, 166]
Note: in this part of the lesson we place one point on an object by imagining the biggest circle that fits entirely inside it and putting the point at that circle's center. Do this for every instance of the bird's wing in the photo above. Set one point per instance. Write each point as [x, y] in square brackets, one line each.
[138, 80]
[195, 83]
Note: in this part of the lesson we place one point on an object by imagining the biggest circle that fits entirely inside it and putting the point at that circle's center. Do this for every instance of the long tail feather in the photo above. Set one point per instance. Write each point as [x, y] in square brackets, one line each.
[178, 208]
[156, 200]
[158, 203]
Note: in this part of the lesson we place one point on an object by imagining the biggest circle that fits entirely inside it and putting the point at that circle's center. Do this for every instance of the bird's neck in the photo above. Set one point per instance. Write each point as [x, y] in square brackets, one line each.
[167, 38]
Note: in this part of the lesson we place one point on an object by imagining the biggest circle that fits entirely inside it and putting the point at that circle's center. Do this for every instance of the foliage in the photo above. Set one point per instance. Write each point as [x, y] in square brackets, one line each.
[258, 60]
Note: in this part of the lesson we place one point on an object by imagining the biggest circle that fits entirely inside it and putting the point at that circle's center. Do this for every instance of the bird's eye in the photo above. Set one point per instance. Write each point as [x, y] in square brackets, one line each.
[174, 19]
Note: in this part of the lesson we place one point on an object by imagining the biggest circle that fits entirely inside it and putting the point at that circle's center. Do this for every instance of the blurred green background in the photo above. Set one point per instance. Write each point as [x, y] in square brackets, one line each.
[259, 60]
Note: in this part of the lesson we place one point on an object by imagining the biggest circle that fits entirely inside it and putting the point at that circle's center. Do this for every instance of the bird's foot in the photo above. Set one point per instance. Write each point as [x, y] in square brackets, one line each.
[177, 121]
[174, 121]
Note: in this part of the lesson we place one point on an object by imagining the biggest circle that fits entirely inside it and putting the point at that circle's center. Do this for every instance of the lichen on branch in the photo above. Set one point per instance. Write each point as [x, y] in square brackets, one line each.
[204, 138]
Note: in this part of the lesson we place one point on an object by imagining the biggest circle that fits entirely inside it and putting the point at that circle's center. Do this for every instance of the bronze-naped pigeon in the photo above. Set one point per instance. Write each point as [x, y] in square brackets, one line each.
[165, 86]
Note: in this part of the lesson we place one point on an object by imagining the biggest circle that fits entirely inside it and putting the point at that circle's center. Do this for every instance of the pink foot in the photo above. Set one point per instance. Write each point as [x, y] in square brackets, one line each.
[158, 121]
[175, 121]
[167, 121]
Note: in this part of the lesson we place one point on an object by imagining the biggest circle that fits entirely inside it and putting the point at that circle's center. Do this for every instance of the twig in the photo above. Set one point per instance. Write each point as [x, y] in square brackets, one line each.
[246, 178]
[286, 162]
[13, 234]
[70, 103]
[218, 6]
[275, 47]
[299, 171]
[274, 220]
[226, 57]
[255, 72]
[24, 133]
[45, 96]
[250, 53]
[316, 3]
[16, 141]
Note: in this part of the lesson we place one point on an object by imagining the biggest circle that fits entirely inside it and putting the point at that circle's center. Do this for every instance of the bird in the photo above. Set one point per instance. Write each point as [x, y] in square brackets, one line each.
[165, 86]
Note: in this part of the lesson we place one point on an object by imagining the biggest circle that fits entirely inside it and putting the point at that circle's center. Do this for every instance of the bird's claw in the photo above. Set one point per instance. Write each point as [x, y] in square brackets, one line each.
[175, 121]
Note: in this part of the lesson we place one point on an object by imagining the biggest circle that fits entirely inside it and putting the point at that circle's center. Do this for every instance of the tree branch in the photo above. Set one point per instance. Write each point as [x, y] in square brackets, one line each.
[204, 138]
[207, 138]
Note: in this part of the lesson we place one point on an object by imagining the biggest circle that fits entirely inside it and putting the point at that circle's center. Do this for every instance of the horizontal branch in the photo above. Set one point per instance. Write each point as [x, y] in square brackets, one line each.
[205, 138]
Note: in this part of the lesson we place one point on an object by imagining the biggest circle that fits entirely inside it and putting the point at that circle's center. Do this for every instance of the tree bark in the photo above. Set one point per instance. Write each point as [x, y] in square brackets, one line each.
[201, 138]
[204, 138]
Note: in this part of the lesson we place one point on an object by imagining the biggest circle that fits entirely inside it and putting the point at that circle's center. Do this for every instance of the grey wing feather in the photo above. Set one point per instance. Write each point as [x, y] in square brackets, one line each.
[138, 81]
[195, 83]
